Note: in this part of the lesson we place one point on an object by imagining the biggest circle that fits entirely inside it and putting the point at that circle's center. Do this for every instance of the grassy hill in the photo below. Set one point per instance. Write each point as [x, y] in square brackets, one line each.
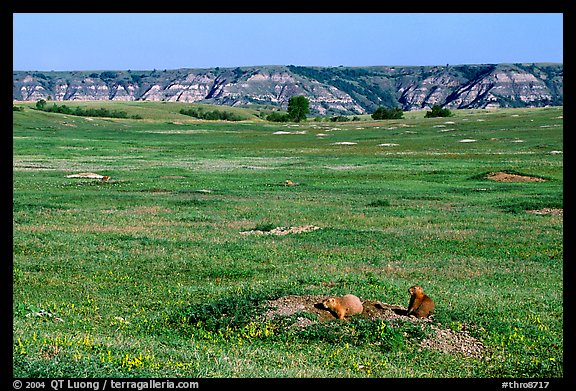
[158, 111]
[159, 272]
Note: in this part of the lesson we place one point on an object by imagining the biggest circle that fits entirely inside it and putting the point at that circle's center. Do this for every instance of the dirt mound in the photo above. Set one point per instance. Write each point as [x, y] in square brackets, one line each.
[443, 339]
[501, 176]
[282, 230]
[450, 341]
[373, 309]
[548, 211]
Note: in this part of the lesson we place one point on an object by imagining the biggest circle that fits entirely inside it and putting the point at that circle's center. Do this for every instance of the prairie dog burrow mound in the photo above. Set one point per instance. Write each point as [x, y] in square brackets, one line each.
[440, 338]
[313, 304]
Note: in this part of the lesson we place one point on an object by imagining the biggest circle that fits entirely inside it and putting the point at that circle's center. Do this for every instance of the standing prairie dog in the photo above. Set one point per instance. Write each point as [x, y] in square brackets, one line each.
[421, 306]
[343, 306]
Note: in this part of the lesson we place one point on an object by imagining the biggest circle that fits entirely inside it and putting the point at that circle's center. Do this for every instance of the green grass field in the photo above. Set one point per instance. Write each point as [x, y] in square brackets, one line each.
[147, 275]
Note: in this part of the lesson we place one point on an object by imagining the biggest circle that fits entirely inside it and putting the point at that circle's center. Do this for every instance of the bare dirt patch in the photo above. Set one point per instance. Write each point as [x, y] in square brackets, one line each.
[290, 305]
[280, 231]
[450, 341]
[548, 211]
[31, 166]
[294, 132]
[507, 177]
[442, 339]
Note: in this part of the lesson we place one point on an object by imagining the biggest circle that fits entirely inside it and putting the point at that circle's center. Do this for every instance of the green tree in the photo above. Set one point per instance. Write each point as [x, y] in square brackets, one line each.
[41, 104]
[438, 111]
[298, 107]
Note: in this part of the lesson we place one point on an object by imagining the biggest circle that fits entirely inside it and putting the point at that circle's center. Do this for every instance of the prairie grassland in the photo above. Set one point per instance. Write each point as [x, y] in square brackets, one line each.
[148, 274]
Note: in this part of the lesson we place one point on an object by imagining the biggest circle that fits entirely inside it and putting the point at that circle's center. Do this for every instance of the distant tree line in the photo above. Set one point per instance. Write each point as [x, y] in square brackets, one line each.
[343, 118]
[298, 107]
[83, 112]
[379, 114]
[200, 113]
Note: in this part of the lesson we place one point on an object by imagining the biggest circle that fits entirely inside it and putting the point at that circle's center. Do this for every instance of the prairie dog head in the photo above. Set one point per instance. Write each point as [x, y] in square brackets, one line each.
[416, 290]
[329, 302]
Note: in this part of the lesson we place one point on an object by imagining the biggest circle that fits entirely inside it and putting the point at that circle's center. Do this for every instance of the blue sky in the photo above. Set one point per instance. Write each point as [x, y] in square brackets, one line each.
[146, 41]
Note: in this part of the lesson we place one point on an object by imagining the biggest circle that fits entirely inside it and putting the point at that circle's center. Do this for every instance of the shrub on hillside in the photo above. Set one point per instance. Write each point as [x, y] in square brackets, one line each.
[385, 113]
[198, 112]
[278, 117]
[438, 111]
[83, 112]
[340, 118]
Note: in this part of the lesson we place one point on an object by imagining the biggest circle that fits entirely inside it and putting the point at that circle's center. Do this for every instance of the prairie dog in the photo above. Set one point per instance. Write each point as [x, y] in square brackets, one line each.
[421, 306]
[89, 175]
[344, 305]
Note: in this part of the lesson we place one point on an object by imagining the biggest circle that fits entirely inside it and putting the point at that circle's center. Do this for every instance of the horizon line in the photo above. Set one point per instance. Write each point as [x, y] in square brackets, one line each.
[289, 65]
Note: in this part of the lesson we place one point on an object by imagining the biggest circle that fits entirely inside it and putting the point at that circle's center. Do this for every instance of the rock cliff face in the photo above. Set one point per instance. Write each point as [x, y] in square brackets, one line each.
[331, 90]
